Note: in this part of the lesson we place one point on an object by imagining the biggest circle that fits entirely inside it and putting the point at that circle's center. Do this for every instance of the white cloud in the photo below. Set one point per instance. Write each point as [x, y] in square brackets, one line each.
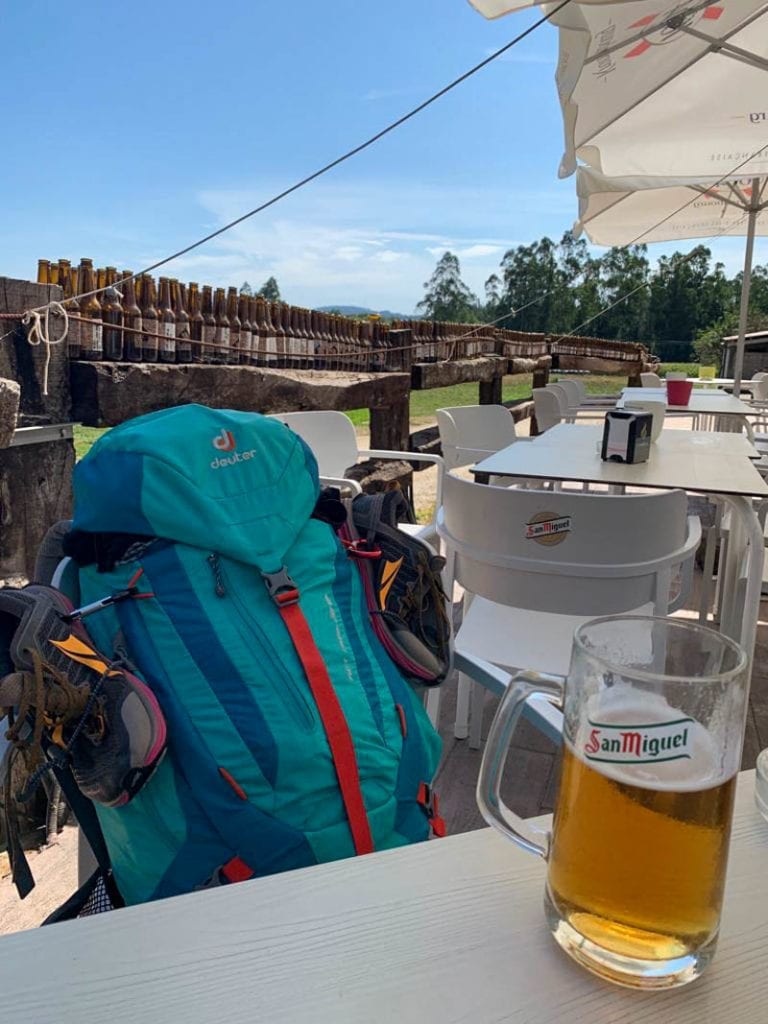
[367, 243]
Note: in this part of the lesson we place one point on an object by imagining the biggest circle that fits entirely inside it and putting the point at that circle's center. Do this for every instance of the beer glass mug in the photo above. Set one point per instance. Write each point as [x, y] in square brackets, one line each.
[654, 713]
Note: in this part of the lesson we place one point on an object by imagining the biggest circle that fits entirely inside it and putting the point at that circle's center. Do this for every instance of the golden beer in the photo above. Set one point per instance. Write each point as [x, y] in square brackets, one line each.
[640, 869]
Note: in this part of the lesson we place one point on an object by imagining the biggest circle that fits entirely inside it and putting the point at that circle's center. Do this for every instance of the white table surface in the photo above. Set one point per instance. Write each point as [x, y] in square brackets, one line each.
[446, 932]
[713, 403]
[694, 460]
[727, 382]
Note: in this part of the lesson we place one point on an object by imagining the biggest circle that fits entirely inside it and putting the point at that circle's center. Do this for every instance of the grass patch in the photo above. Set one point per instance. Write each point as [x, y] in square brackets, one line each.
[691, 369]
[425, 403]
[85, 438]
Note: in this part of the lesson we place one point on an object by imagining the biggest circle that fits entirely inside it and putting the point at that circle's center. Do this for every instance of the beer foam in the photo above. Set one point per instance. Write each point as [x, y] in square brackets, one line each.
[640, 739]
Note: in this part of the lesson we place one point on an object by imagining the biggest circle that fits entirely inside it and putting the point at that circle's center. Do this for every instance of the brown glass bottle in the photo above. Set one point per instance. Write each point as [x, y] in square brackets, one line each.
[195, 322]
[246, 330]
[179, 302]
[296, 335]
[112, 318]
[305, 320]
[149, 320]
[90, 309]
[256, 306]
[273, 338]
[221, 351]
[317, 343]
[209, 325]
[233, 356]
[284, 337]
[272, 318]
[72, 306]
[166, 323]
[43, 271]
[132, 351]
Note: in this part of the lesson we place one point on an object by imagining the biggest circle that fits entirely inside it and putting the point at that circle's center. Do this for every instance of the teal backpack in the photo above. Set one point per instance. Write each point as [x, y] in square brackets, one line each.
[292, 737]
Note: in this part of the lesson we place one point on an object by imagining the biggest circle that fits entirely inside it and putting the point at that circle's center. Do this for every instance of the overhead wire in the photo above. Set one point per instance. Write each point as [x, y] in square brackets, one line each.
[392, 126]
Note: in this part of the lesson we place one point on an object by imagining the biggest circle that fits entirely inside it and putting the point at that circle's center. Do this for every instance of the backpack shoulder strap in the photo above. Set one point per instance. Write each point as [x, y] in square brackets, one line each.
[285, 594]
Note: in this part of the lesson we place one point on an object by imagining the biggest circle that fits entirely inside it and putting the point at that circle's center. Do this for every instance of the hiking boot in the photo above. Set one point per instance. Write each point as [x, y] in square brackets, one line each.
[103, 715]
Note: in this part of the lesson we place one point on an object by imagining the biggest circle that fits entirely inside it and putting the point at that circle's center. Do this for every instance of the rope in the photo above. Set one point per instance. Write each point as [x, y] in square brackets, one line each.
[37, 322]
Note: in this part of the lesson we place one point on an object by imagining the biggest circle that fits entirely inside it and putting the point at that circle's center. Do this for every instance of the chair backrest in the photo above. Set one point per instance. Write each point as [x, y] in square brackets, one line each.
[330, 435]
[468, 429]
[760, 390]
[562, 397]
[547, 408]
[564, 551]
[650, 380]
[580, 388]
[759, 375]
[571, 389]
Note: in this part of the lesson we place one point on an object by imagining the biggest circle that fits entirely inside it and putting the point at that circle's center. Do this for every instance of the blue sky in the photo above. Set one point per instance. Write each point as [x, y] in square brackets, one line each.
[141, 127]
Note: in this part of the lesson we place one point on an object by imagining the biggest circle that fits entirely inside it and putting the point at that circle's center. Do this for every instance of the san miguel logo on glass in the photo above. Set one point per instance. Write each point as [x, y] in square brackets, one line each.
[657, 29]
[639, 744]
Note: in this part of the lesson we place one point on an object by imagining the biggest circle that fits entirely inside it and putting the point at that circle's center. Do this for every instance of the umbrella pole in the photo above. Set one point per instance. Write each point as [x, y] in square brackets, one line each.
[754, 206]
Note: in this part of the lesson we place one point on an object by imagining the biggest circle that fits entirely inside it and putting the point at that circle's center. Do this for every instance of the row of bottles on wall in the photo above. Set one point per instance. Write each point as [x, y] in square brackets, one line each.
[119, 318]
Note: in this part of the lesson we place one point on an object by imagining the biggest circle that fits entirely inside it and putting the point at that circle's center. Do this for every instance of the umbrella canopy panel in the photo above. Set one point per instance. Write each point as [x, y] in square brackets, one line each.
[621, 211]
[673, 88]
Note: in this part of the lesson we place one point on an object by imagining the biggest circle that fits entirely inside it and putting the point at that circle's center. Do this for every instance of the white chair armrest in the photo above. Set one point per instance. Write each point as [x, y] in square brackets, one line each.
[342, 483]
[437, 460]
[540, 713]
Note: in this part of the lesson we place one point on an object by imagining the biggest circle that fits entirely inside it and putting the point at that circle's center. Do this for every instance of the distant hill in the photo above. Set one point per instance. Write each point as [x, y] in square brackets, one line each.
[364, 311]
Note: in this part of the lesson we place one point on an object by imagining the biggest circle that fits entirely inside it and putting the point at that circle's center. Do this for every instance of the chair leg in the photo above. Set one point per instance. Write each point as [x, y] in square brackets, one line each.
[432, 704]
[461, 725]
[477, 706]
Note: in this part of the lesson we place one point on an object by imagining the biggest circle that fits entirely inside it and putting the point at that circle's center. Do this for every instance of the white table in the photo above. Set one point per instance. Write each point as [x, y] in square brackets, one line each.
[701, 461]
[722, 382]
[446, 932]
[702, 403]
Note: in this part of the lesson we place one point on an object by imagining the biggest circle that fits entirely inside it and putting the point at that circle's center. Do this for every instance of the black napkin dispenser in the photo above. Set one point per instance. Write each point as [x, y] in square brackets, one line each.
[626, 436]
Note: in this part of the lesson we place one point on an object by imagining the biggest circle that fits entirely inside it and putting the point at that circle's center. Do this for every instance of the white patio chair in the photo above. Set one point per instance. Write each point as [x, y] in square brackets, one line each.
[469, 433]
[527, 589]
[577, 401]
[547, 409]
[331, 436]
[651, 380]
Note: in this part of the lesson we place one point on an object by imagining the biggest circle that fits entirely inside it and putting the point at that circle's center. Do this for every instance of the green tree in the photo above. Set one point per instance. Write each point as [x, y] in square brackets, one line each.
[492, 298]
[532, 288]
[624, 275]
[687, 295]
[245, 289]
[270, 290]
[446, 296]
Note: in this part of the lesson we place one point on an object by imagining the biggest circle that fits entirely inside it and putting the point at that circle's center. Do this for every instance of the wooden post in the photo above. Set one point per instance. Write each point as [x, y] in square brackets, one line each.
[390, 426]
[403, 359]
[540, 377]
[490, 391]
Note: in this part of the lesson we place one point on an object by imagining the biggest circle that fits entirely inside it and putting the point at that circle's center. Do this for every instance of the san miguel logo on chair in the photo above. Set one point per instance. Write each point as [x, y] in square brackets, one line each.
[225, 441]
[548, 528]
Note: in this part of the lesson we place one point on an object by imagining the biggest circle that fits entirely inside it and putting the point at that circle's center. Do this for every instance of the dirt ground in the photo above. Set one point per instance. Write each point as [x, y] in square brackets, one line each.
[55, 872]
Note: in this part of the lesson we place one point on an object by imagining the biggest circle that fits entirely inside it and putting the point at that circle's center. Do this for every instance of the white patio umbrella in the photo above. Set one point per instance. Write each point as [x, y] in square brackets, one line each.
[665, 97]
[646, 88]
[620, 211]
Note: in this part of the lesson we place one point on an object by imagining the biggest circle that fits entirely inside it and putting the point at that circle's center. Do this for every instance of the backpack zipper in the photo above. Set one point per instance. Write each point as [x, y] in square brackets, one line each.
[284, 682]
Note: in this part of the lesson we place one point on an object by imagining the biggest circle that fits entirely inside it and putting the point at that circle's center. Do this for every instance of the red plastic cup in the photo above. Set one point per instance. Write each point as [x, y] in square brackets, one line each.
[679, 392]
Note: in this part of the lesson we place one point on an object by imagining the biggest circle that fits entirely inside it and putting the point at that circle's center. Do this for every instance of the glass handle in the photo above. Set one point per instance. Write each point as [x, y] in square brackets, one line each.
[522, 686]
